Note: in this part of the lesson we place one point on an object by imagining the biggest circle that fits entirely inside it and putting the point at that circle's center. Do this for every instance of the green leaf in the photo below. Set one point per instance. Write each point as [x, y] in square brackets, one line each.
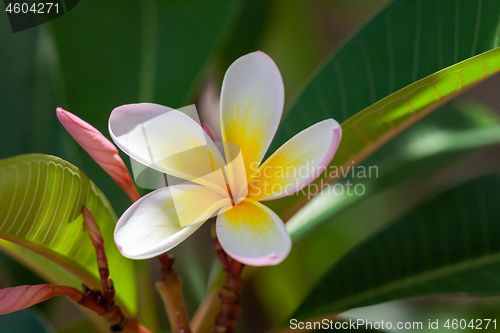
[439, 140]
[373, 127]
[369, 129]
[450, 244]
[45, 268]
[26, 89]
[150, 51]
[406, 41]
[41, 198]
[431, 156]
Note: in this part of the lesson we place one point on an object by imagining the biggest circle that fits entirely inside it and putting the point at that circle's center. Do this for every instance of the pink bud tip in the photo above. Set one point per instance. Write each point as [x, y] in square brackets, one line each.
[207, 130]
[100, 149]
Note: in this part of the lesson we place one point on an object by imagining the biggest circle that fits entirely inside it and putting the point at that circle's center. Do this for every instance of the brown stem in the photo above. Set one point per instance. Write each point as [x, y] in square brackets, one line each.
[206, 313]
[230, 308]
[132, 326]
[91, 304]
[105, 298]
[221, 254]
[96, 301]
[170, 290]
[102, 261]
[229, 294]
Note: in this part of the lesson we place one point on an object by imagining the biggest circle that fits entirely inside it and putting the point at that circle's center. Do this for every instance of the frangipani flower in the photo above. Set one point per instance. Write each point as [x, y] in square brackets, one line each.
[170, 141]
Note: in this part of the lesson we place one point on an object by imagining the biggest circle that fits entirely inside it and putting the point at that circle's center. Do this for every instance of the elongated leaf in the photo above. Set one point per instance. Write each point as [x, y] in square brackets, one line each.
[406, 41]
[41, 198]
[371, 128]
[451, 244]
[375, 125]
[45, 268]
[22, 297]
[431, 156]
[26, 87]
[153, 51]
[439, 140]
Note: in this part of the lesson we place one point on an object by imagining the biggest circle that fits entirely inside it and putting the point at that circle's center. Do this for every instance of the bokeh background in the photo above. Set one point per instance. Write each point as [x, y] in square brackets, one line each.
[103, 54]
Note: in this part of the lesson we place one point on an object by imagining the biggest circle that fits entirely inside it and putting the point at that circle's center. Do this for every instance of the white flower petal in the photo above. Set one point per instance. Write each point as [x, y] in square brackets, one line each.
[166, 140]
[252, 99]
[296, 163]
[235, 172]
[152, 225]
[253, 234]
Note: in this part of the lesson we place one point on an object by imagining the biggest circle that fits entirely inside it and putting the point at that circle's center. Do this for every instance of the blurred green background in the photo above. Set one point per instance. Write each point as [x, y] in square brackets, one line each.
[103, 54]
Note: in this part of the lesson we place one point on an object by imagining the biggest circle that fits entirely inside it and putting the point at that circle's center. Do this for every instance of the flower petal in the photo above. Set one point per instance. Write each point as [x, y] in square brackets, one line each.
[253, 234]
[100, 149]
[235, 172]
[252, 99]
[297, 163]
[152, 225]
[166, 140]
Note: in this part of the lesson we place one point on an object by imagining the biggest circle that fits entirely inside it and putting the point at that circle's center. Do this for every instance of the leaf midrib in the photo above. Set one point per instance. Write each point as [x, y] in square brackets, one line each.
[374, 145]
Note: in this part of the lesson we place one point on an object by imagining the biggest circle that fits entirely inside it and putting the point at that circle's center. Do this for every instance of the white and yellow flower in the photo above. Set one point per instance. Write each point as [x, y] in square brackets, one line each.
[229, 184]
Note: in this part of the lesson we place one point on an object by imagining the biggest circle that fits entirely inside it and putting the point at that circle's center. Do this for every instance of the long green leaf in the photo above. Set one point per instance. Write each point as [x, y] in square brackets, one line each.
[45, 268]
[408, 40]
[431, 156]
[371, 128]
[451, 244]
[150, 51]
[26, 89]
[41, 198]
[439, 140]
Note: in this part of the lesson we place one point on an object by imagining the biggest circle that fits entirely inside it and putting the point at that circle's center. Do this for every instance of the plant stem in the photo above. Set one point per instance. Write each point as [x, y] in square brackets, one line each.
[102, 301]
[230, 309]
[170, 290]
[204, 318]
[102, 261]
[229, 294]
[133, 326]
[96, 301]
[91, 304]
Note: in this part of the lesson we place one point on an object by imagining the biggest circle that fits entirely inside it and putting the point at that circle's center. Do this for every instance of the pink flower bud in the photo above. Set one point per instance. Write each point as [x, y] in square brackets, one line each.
[100, 149]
